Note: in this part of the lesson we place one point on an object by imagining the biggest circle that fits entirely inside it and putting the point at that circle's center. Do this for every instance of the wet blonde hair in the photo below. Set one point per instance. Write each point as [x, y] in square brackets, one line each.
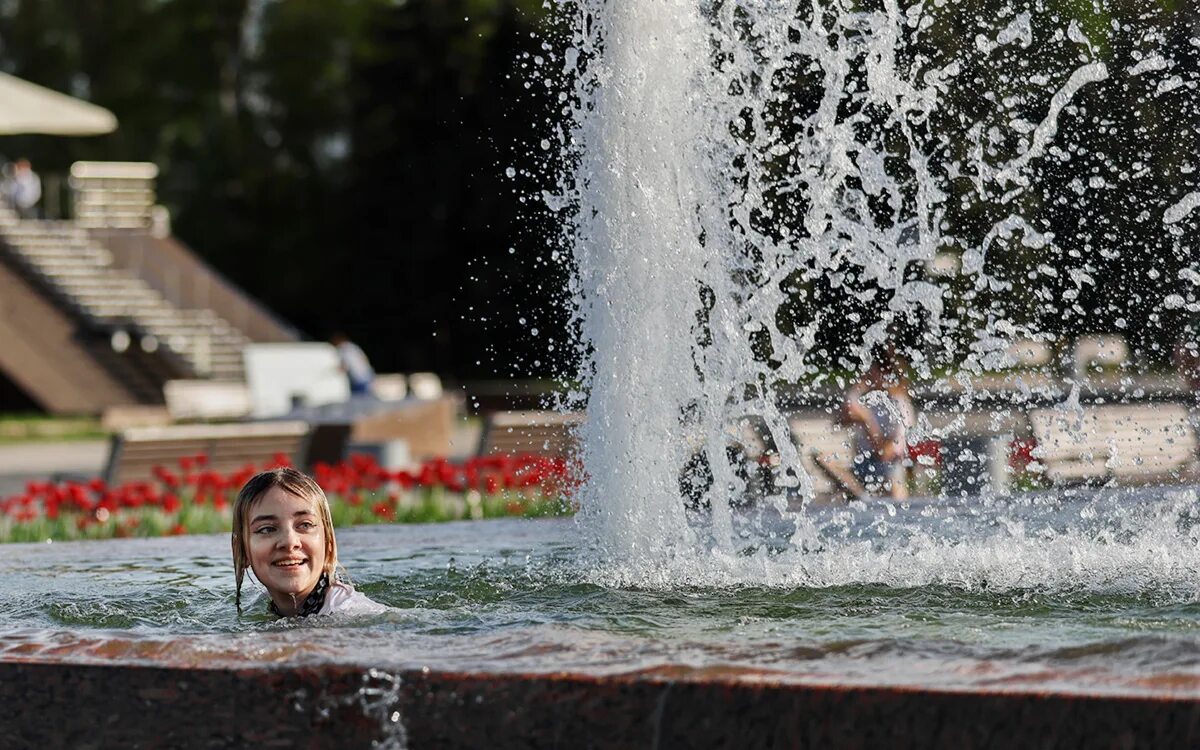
[294, 483]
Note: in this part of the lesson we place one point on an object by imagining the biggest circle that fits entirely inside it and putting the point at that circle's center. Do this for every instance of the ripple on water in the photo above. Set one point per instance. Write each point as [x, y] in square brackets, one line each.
[468, 596]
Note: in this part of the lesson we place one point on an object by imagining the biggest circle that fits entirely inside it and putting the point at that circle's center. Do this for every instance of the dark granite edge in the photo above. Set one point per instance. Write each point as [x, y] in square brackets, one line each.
[64, 704]
[727, 676]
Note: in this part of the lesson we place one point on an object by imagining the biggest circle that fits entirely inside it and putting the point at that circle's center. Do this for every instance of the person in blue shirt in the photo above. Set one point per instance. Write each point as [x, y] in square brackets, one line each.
[353, 361]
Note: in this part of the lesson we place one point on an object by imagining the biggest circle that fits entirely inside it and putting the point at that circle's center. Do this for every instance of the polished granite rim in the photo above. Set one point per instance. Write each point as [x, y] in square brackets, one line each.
[70, 704]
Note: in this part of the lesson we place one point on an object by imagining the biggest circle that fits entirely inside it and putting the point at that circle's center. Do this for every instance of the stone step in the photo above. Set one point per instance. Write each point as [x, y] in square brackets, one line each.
[63, 254]
[75, 271]
[103, 279]
[185, 341]
[116, 294]
[111, 311]
[189, 337]
[94, 257]
[19, 233]
[41, 248]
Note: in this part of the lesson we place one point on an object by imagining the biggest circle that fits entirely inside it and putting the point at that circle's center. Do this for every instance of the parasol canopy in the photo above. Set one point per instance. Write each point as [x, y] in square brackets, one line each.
[28, 108]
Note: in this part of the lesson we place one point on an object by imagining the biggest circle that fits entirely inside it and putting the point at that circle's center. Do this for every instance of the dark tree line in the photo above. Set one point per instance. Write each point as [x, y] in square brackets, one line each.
[342, 161]
[371, 165]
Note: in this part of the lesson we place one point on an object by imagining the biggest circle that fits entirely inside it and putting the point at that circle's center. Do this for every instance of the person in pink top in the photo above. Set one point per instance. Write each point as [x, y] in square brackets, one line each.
[283, 534]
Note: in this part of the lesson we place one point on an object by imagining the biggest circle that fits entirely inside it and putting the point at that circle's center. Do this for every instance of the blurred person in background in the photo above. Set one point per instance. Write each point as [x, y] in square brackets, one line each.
[879, 409]
[353, 361]
[22, 188]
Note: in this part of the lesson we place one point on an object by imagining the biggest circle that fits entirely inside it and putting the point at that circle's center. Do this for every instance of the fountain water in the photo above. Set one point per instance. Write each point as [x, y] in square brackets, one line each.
[762, 192]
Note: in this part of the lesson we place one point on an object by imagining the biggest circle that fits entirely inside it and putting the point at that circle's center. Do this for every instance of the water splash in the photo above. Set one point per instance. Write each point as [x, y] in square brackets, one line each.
[760, 193]
[378, 699]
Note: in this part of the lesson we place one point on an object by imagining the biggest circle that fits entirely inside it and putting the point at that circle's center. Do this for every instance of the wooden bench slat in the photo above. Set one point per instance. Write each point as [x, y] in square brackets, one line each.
[539, 432]
[1124, 442]
[824, 435]
[228, 447]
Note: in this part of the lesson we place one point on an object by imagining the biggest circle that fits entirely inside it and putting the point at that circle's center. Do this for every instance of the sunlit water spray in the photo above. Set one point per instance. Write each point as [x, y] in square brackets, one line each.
[739, 165]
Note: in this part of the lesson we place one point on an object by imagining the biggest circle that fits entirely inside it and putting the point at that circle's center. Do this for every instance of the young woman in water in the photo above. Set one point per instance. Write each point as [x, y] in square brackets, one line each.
[283, 532]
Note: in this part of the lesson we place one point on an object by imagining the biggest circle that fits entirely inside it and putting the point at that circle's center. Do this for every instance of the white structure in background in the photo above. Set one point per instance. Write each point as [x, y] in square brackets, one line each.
[1029, 353]
[390, 387]
[28, 108]
[282, 377]
[944, 265]
[425, 385]
[117, 195]
[1099, 351]
[206, 399]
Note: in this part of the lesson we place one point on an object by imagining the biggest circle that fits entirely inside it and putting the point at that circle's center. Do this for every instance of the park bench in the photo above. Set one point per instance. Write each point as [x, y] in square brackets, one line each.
[821, 439]
[544, 433]
[206, 399]
[426, 426]
[1119, 444]
[135, 452]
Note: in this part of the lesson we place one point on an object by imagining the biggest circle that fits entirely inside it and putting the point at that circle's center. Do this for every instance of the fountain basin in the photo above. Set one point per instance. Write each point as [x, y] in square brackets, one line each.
[1064, 620]
[67, 704]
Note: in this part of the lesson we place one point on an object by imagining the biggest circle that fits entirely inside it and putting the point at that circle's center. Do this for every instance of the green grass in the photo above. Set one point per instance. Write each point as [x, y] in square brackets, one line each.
[25, 428]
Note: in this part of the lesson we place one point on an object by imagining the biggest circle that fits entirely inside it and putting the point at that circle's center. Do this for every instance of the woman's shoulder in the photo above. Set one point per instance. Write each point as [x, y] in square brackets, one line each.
[342, 597]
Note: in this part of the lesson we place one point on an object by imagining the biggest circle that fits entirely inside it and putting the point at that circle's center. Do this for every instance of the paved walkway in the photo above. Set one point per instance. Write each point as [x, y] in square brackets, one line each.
[22, 462]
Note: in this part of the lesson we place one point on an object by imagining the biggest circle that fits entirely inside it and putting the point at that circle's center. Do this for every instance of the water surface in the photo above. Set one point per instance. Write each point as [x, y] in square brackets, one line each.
[1090, 594]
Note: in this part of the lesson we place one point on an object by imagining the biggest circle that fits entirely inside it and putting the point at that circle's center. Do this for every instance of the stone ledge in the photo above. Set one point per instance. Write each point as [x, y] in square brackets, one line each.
[116, 705]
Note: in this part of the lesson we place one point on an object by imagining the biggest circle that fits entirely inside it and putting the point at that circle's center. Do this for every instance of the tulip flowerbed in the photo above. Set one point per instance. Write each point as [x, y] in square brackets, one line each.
[193, 499]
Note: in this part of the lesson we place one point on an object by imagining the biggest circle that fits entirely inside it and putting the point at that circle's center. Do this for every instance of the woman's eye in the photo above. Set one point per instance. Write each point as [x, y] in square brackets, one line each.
[264, 529]
[306, 525]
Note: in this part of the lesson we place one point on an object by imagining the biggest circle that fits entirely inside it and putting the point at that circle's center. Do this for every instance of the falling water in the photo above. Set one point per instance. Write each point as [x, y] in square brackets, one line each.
[736, 164]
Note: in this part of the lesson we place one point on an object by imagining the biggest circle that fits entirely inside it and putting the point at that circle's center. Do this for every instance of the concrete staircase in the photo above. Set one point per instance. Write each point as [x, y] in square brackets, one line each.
[80, 272]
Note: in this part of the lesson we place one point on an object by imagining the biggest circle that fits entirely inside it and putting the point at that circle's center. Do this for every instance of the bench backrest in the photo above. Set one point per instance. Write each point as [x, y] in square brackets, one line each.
[134, 453]
[427, 426]
[207, 399]
[543, 433]
[1128, 443]
[824, 435]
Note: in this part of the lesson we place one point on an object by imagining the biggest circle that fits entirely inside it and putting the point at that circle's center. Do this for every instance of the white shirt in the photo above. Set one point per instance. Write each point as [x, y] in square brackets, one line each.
[341, 597]
[358, 367]
[25, 189]
[893, 414]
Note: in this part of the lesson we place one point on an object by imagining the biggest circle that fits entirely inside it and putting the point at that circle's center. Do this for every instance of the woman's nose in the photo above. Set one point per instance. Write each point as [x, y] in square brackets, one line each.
[289, 538]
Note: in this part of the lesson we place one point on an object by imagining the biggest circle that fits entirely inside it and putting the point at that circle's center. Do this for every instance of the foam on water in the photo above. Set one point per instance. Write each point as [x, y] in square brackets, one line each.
[1118, 544]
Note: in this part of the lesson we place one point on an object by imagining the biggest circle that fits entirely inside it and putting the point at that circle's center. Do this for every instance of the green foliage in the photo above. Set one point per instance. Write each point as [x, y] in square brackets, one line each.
[24, 427]
[332, 158]
[420, 506]
[344, 161]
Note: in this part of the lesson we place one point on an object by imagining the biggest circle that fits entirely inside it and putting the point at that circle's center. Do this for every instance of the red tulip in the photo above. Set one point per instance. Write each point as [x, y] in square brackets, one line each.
[383, 510]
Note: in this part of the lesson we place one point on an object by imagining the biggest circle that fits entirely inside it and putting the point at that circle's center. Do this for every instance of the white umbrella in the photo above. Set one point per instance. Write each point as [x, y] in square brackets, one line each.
[28, 108]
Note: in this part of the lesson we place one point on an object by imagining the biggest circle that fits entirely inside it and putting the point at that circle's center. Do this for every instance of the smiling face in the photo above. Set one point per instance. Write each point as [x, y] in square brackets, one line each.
[286, 546]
